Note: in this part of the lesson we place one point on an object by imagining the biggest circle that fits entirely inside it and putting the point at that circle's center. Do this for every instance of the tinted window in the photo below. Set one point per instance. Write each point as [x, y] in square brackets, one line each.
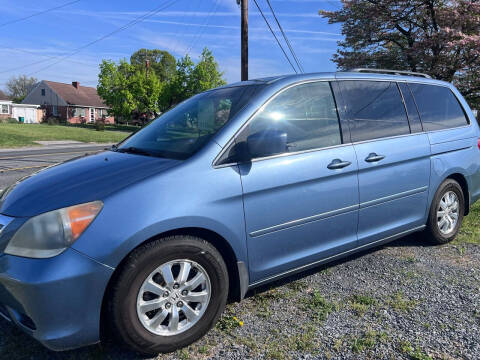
[183, 130]
[412, 112]
[438, 107]
[306, 113]
[374, 109]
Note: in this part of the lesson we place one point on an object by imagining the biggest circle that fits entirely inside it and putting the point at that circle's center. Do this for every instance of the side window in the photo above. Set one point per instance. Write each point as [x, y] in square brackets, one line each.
[438, 107]
[412, 112]
[374, 109]
[306, 114]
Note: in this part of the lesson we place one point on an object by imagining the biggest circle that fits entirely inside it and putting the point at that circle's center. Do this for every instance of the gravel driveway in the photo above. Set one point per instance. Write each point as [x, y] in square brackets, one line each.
[406, 300]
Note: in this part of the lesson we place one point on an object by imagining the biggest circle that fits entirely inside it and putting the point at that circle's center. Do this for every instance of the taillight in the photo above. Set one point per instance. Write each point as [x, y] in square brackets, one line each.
[479, 143]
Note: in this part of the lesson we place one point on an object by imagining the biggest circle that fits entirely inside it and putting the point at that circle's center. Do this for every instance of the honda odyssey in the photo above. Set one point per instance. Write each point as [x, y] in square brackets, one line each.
[231, 189]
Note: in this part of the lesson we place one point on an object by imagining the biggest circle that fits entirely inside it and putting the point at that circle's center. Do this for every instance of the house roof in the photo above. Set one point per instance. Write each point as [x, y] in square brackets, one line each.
[81, 95]
[3, 96]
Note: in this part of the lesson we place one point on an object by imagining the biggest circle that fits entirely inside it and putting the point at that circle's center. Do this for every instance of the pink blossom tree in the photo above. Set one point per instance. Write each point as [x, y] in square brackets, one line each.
[437, 37]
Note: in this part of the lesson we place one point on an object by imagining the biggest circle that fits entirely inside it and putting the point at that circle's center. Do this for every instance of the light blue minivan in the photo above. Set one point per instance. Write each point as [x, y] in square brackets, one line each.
[231, 189]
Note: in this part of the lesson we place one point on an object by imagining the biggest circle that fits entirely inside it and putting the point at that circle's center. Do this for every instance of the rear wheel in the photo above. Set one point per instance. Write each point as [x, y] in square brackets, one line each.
[168, 294]
[446, 212]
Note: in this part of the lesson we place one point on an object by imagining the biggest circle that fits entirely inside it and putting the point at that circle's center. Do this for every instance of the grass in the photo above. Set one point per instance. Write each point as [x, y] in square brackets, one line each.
[368, 340]
[18, 135]
[414, 353]
[400, 303]
[470, 230]
[319, 306]
[361, 303]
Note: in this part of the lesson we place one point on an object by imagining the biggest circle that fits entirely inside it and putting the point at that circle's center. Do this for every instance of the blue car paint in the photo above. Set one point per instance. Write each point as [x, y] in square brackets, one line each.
[89, 178]
[388, 207]
[258, 208]
[282, 235]
[62, 295]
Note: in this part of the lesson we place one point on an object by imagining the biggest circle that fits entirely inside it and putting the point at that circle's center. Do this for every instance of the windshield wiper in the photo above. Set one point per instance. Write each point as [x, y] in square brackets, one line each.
[134, 150]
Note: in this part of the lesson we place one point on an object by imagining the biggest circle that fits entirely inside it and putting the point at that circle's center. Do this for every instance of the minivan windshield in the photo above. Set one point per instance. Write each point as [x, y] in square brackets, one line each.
[182, 131]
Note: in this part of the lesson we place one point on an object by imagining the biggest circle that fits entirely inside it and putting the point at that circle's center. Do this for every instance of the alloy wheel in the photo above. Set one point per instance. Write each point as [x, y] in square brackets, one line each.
[447, 212]
[174, 297]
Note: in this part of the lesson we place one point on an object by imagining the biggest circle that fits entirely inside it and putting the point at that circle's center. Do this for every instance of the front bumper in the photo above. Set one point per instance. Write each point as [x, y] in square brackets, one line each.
[58, 301]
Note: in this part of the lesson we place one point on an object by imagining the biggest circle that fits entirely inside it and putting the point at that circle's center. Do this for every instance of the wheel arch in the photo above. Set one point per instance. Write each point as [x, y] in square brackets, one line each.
[462, 181]
[237, 270]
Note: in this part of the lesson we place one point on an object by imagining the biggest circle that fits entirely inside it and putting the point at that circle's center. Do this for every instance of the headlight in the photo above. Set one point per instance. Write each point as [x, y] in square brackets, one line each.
[49, 234]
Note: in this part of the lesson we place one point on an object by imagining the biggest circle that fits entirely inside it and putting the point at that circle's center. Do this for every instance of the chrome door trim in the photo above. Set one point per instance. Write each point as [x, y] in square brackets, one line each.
[284, 155]
[333, 257]
[327, 214]
[303, 221]
[393, 197]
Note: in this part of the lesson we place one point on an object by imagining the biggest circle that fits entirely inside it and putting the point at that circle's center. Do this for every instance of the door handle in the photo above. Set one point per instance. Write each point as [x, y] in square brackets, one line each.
[338, 164]
[372, 157]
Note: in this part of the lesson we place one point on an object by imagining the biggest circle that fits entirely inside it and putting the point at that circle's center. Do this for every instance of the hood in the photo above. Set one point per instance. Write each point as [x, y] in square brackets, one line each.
[81, 180]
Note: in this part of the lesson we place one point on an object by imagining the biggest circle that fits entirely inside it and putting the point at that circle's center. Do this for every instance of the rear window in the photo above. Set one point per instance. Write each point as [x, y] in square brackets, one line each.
[374, 109]
[438, 107]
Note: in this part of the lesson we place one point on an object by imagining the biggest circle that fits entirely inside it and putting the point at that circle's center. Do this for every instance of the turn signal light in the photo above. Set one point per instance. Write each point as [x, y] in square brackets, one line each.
[81, 216]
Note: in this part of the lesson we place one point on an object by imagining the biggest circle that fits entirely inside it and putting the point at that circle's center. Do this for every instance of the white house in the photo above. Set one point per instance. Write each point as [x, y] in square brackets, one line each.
[27, 113]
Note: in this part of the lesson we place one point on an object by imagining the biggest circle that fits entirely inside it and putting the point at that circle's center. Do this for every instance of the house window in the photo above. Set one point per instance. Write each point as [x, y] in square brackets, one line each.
[5, 109]
[43, 92]
[102, 112]
[55, 110]
[80, 112]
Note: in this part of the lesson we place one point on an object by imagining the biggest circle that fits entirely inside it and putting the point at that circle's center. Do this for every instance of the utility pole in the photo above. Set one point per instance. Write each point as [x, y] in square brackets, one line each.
[244, 41]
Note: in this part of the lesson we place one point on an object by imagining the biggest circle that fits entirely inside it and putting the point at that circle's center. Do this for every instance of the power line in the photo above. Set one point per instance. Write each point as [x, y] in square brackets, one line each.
[50, 57]
[47, 58]
[275, 36]
[38, 13]
[213, 11]
[286, 38]
[120, 29]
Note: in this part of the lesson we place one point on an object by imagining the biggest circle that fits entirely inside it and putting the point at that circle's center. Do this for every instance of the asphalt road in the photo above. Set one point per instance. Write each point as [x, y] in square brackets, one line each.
[16, 164]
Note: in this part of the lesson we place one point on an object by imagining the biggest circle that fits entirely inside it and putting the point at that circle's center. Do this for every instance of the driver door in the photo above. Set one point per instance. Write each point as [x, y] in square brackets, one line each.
[301, 205]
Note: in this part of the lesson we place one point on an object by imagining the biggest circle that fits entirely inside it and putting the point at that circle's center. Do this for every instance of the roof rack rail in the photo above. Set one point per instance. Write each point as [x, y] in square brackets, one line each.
[393, 72]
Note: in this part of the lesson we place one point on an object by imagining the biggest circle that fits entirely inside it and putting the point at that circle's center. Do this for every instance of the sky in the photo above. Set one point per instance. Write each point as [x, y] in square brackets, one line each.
[41, 45]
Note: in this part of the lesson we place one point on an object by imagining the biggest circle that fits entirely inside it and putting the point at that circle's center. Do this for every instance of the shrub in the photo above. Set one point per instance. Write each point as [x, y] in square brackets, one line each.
[52, 121]
[100, 126]
[9, 121]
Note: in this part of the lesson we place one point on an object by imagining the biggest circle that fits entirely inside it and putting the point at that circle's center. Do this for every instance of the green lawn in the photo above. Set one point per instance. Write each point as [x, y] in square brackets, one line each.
[17, 135]
[470, 230]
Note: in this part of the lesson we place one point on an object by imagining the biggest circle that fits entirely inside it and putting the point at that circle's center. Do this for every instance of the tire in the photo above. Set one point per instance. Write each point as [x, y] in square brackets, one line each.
[442, 235]
[126, 315]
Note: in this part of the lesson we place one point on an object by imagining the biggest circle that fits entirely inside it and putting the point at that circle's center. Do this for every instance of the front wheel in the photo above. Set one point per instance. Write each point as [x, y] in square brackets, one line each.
[168, 294]
[446, 213]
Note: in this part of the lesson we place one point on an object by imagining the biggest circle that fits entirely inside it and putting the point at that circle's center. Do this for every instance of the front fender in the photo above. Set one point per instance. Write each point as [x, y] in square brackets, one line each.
[210, 200]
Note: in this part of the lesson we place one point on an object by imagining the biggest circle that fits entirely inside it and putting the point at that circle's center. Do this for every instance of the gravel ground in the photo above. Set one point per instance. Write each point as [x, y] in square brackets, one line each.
[406, 300]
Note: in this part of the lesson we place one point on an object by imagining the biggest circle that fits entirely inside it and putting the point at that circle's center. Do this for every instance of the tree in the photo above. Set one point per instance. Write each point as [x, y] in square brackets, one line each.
[146, 91]
[19, 87]
[191, 79]
[206, 74]
[126, 89]
[130, 87]
[161, 62]
[113, 87]
[440, 38]
[179, 87]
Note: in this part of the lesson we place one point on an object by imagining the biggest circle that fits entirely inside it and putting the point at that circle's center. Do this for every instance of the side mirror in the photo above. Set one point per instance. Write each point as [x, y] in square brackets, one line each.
[266, 143]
